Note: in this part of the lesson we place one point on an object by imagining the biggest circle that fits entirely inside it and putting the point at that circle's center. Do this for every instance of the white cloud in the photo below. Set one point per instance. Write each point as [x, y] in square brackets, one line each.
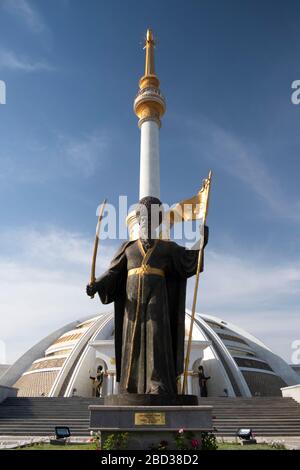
[244, 162]
[260, 296]
[239, 280]
[24, 10]
[12, 61]
[86, 153]
[43, 275]
[63, 157]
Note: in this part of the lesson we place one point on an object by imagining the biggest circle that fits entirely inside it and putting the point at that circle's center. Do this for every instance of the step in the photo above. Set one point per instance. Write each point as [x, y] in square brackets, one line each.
[267, 416]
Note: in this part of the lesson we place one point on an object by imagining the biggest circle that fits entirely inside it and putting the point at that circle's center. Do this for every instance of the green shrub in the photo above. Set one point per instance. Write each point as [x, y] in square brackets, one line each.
[209, 441]
[116, 441]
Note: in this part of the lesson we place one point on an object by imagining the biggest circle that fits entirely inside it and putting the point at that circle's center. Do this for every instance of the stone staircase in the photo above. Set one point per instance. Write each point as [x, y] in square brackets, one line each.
[267, 416]
[39, 416]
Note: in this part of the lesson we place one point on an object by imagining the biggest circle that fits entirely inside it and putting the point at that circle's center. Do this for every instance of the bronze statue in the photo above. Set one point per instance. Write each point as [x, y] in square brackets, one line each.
[202, 381]
[147, 283]
[98, 381]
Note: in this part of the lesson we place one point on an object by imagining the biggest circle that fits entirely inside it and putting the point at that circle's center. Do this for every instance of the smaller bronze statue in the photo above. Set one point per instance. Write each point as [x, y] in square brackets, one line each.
[98, 381]
[202, 381]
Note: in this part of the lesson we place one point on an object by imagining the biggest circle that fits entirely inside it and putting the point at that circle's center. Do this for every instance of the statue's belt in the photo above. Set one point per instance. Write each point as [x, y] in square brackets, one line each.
[146, 269]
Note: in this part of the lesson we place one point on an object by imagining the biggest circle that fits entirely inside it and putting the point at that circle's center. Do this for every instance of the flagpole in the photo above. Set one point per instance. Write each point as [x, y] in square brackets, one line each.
[96, 244]
[199, 264]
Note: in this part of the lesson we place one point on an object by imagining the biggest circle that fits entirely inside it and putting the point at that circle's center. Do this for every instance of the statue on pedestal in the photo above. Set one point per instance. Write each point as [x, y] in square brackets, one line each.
[147, 283]
[203, 379]
[98, 381]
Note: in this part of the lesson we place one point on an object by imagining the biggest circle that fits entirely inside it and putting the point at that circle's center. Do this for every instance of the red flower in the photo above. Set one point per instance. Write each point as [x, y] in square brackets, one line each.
[195, 443]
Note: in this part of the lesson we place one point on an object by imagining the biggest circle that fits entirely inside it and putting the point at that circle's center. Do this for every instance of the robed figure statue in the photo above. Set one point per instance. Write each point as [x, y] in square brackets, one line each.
[203, 379]
[147, 283]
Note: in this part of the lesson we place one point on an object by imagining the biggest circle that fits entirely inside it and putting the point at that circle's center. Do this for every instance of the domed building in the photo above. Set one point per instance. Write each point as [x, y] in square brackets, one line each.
[64, 363]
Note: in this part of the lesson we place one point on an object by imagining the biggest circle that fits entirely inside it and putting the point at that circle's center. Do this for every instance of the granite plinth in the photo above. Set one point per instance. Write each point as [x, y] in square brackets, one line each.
[149, 425]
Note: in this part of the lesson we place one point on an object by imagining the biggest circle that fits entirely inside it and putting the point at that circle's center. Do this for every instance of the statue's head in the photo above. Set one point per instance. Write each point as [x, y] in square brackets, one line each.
[149, 215]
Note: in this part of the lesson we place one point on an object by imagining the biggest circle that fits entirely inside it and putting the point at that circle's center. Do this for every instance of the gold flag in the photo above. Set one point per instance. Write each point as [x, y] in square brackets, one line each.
[190, 209]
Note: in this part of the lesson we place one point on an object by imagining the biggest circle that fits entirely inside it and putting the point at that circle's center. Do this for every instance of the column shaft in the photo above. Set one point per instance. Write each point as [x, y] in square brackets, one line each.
[149, 160]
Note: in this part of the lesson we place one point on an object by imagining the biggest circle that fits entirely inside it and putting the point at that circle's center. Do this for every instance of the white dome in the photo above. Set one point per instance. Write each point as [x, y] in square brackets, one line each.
[64, 363]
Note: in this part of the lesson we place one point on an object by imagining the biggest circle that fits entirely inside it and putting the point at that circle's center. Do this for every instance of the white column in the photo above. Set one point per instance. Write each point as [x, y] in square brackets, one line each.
[116, 389]
[114, 384]
[149, 160]
[108, 384]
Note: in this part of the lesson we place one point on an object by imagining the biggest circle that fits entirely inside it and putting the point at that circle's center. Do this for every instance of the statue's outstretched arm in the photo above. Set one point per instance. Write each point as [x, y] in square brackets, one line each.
[107, 284]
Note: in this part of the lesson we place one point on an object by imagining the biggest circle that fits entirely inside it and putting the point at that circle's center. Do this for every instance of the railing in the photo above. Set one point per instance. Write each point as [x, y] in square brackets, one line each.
[151, 90]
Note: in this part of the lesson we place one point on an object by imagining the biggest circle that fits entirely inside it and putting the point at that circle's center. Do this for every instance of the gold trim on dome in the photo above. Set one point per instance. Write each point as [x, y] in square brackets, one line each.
[47, 364]
[67, 338]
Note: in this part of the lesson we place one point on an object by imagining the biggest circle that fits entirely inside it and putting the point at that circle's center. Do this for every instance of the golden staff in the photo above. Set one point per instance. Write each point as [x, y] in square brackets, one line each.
[207, 183]
[96, 244]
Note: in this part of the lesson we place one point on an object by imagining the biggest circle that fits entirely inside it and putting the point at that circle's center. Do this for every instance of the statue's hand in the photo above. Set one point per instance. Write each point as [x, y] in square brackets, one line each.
[91, 290]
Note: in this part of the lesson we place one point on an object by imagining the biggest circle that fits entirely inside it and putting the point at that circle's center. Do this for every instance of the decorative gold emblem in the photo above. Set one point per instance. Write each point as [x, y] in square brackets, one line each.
[149, 418]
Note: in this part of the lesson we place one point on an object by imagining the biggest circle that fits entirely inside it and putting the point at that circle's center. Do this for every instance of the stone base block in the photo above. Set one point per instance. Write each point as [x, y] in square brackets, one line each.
[149, 425]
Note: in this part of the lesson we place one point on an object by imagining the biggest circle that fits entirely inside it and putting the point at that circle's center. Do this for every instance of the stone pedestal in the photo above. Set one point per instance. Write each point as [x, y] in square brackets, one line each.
[149, 425]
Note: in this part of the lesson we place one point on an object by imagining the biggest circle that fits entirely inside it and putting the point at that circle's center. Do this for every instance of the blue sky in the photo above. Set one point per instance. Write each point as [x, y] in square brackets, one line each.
[69, 138]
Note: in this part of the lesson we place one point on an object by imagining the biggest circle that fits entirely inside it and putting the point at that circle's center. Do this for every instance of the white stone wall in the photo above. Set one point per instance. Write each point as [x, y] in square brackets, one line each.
[292, 392]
